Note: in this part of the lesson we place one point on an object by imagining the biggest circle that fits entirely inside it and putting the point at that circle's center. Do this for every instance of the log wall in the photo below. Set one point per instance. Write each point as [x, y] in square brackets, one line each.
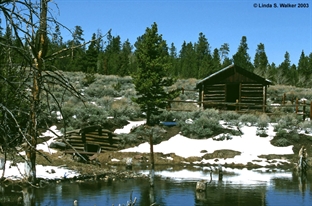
[104, 138]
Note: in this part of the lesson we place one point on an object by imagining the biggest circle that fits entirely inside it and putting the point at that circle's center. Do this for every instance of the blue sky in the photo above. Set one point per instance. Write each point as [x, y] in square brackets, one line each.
[279, 29]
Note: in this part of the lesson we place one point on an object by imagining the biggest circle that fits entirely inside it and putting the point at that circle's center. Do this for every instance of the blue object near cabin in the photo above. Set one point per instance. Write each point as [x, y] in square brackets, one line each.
[169, 124]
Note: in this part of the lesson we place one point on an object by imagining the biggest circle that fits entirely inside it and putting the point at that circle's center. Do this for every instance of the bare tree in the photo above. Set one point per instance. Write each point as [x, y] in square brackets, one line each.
[29, 22]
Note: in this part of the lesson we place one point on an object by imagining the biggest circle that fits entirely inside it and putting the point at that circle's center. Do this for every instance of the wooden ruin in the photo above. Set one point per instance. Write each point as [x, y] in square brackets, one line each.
[233, 88]
[91, 140]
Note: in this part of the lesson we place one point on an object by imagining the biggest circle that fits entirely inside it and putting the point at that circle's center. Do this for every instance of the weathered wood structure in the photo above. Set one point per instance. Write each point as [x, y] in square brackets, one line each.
[235, 85]
[92, 139]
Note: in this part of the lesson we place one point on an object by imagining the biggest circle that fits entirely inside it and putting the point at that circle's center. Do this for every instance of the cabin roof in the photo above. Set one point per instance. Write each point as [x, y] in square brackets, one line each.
[231, 70]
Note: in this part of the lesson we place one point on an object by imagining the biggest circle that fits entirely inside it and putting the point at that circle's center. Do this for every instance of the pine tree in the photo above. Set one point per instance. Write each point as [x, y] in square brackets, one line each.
[272, 71]
[303, 70]
[294, 75]
[284, 74]
[77, 53]
[125, 59]
[203, 57]
[216, 61]
[242, 58]
[224, 52]
[261, 61]
[174, 60]
[151, 79]
[188, 61]
[112, 55]
[91, 57]
[303, 65]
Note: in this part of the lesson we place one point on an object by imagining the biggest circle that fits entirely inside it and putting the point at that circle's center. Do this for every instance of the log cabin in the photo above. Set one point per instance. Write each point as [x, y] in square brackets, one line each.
[233, 88]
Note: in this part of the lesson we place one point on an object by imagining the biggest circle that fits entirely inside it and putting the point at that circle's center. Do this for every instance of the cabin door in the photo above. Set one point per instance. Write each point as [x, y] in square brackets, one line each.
[232, 94]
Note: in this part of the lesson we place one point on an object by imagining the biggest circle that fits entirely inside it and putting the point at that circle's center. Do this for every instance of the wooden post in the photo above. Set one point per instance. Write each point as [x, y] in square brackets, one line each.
[264, 99]
[202, 98]
[297, 103]
[182, 90]
[310, 110]
[236, 107]
[303, 110]
[284, 99]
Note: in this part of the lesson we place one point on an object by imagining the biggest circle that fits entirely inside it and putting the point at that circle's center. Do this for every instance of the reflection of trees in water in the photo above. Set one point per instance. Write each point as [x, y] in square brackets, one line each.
[218, 193]
[166, 192]
[10, 195]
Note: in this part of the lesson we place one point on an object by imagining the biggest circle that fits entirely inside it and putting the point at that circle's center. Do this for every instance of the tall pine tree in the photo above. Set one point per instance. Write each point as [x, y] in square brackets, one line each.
[203, 57]
[242, 58]
[224, 53]
[187, 61]
[151, 79]
[261, 61]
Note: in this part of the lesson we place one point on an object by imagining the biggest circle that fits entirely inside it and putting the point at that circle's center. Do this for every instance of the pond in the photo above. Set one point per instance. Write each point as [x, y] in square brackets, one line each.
[177, 187]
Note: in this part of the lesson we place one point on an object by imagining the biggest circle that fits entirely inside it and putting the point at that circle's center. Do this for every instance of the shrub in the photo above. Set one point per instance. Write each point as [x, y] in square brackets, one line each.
[142, 134]
[281, 133]
[124, 107]
[291, 136]
[228, 116]
[248, 118]
[261, 133]
[263, 121]
[167, 116]
[105, 102]
[186, 106]
[203, 126]
[306, 126]
[88, 79]
[288, 121]
[223, 137]
[283, 142]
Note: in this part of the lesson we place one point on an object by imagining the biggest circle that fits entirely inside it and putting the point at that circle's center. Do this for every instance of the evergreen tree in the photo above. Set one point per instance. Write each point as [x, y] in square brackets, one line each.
[303, 65]
[112, 55]
[294, 75]
[77, 52]
[303, 70]
[91, 56]
[187, 61]
[203, 57]
[216, 61]
[173, 60]
[261, 61]
[272, 70]
[284, 74]
[242, 58]
[285, 65]
[309, 70]
[125, 59]
[151, 79]
[224, 52]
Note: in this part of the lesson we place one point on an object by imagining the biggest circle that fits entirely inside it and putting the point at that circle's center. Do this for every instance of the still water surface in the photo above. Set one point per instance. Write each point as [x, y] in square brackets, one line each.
[238, 187]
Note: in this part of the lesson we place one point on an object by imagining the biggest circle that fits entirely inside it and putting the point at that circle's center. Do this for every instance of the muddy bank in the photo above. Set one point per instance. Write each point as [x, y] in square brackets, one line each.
[142, 159]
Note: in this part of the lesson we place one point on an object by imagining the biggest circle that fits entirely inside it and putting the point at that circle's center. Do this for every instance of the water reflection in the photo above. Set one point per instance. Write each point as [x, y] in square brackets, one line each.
[238, 187]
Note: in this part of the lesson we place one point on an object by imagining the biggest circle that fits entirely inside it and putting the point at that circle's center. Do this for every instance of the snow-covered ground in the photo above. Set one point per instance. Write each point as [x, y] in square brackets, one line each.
[46, 172]
[250, 146]
[127, 129]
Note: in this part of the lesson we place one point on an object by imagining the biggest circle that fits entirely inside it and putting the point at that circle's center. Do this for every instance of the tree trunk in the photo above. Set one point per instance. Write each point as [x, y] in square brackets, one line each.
[40, 47]
[152, 171]
[3, 163]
